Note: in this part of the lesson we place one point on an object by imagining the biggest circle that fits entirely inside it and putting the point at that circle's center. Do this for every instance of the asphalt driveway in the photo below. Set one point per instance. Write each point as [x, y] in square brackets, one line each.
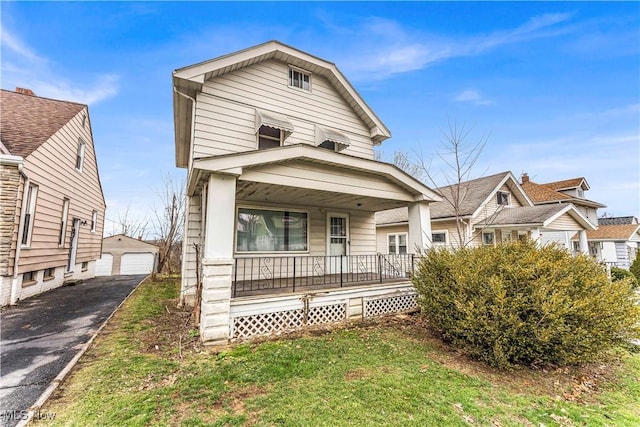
[42, 334]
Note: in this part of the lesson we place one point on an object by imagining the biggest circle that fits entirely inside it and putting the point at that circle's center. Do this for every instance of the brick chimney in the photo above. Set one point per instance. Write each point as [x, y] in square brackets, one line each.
[25, 91]
[524, 178]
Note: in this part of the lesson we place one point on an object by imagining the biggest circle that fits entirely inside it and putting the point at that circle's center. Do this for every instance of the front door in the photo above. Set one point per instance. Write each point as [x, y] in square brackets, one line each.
[338, 242]
[73, 244]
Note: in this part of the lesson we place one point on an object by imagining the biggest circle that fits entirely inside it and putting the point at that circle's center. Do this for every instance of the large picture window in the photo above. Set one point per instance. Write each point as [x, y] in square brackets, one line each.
[262, 230]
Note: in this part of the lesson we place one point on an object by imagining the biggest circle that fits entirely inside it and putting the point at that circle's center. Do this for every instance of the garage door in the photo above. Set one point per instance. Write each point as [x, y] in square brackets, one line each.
[104, 264]
[137, 263]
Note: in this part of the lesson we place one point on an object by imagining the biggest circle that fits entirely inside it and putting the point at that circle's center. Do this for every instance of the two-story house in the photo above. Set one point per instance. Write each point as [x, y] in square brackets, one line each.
[282, 190]
[51, 199]
[485, 211]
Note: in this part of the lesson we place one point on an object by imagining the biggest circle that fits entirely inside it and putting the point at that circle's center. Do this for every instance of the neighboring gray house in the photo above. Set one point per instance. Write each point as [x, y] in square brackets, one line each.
[125, 255]
[282, 189]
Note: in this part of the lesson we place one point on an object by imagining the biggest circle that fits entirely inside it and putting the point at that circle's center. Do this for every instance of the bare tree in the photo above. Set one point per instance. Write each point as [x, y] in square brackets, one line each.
[459, 156]
[168, 223]
[130, 227]
[401, 160]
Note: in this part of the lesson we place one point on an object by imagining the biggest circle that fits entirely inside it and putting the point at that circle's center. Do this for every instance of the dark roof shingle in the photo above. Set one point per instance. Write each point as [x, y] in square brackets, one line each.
[27, 121]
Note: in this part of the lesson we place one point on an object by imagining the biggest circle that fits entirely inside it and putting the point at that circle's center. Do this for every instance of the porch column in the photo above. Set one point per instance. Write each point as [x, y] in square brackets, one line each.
[582, 241]
[419, 227]
[217, 262]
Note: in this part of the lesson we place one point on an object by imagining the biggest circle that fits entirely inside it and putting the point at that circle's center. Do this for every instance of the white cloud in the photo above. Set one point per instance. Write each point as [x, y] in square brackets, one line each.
[22, 66]
[472, 96]
[385, 48]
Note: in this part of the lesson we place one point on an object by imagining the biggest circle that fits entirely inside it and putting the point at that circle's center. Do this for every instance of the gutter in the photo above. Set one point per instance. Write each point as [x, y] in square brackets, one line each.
[19, 161]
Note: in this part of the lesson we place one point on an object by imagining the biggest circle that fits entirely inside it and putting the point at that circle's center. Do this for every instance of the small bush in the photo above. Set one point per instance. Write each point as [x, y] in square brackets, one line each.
[621, 273]
[519, 304]
[635, 267]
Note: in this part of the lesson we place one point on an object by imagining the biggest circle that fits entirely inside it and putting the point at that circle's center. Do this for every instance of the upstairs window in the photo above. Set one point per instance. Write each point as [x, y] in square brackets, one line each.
[30, 210]
[269, 137]
[331, 139]
[503, 198]
[299, 79]
[580, 193]
[80, 155]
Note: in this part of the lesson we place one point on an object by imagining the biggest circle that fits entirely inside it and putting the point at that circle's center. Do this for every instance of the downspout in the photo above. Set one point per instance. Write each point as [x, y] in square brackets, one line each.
[193, 126]
[14, 282]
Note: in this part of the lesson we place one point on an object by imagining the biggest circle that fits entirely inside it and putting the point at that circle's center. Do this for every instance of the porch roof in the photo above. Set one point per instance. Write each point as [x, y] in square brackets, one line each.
[248, 165]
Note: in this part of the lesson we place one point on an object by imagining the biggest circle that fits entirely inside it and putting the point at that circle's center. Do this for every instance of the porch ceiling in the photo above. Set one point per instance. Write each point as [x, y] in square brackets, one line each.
[258, 192]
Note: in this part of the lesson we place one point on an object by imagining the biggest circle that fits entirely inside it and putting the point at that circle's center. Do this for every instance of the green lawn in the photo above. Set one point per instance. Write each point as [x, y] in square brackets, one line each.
[146, 369]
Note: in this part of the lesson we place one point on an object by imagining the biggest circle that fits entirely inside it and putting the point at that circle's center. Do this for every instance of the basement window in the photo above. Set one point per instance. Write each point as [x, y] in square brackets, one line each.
[29, 278]
[49, 274]
[299, 79]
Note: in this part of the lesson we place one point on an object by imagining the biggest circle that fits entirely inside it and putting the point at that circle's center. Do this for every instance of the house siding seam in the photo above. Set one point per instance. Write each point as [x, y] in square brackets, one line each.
[9, 184]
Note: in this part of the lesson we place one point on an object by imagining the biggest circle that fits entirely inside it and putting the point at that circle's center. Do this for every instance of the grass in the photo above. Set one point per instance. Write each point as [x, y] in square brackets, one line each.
[147, 369]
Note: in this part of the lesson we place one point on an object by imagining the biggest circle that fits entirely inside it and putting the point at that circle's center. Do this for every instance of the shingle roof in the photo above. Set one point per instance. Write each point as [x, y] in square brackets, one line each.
[618, 220]
[565, 183]
[27, 121]
[612, 232]
[541, 193]
[526, 214]
[472, 194]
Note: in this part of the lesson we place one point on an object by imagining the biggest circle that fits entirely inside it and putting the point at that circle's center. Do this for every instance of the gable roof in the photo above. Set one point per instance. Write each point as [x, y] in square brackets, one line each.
[474, 194]
[566, 184]
[188, 81]
[541, 215]
[543, 193]
[130, 242]
[28, 121]
[621, 232]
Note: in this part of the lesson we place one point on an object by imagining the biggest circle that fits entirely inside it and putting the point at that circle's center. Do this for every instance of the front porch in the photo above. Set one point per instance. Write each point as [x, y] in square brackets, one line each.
[273, 275]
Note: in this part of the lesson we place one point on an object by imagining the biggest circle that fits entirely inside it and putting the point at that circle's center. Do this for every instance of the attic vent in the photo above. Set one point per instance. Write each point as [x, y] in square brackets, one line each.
[25, 91]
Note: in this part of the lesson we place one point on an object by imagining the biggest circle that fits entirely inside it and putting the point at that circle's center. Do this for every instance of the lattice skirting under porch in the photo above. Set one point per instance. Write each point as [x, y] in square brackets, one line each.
[268, 323]
[396, 304]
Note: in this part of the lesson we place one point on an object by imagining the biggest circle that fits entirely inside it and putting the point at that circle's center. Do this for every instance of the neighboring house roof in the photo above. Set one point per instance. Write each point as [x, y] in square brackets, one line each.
[543, 193]
[541, 215]
[620, 232]
[28, 121]
[566, 184]
[473, 195]
[189, 80]
[619, 220]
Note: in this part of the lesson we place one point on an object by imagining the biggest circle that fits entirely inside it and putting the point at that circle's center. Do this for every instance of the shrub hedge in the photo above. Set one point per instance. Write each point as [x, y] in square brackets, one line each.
[520, 304]
[635, 267]
[621, 273]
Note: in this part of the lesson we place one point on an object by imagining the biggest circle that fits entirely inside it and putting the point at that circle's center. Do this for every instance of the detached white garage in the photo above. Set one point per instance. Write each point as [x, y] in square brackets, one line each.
[123, 255]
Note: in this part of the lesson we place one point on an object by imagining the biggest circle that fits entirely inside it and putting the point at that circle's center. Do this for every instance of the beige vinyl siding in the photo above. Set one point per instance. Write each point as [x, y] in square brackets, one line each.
[225, 113]
[193, 227]
[312, 177]
[453, 239]
[491, 207]
[564, 222]
[52, 167]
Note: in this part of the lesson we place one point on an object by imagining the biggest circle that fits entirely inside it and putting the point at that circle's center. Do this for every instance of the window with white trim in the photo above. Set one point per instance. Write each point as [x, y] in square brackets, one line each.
[397, 244]
[63, 221]
[503, 198]
[488, 238]
[29, 216]
[580, 193]
[266, 230]
[269, 137]
[439, 238]
[299, 79]
[94, 221]
[506, 236]
[80, 155]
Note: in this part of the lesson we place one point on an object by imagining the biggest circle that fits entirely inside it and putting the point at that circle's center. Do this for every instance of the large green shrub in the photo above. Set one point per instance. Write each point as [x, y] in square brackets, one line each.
[635, 267]
[519, 304]
[621, 273]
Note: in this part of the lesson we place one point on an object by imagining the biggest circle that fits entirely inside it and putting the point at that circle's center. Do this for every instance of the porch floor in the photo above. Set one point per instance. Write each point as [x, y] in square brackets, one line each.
[286, 285]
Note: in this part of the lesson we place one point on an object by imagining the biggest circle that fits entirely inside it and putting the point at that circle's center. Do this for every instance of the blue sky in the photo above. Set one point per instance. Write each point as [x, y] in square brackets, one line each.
[555, 86]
